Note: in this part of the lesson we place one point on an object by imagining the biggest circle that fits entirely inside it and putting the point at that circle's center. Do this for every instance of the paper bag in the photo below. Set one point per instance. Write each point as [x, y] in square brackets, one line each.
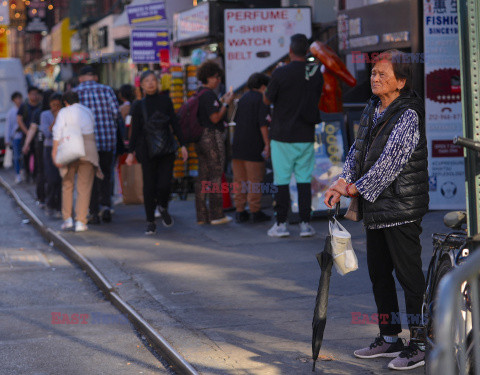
[132, 184]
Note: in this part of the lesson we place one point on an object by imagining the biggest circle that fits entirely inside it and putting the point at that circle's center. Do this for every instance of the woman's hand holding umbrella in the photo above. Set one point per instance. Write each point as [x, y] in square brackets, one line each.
[334, 192]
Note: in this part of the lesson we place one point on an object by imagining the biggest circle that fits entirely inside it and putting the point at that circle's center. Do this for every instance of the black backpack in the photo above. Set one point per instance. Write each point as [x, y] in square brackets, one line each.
[158, 135]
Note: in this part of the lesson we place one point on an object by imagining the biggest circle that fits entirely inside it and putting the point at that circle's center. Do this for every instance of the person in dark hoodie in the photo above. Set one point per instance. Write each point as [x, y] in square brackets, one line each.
[386, 169]
[157, 169]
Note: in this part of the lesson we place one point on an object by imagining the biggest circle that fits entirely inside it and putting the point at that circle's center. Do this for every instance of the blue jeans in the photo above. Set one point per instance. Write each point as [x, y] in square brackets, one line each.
[17, 155]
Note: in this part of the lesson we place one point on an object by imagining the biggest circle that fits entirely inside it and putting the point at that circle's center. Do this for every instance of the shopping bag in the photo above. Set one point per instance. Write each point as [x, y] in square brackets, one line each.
[8, 158]
[71, 146]
[344, 257]
[132, 184]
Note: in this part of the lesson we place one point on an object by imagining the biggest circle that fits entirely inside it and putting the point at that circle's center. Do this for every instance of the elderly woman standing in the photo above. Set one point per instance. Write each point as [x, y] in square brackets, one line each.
[387, 169]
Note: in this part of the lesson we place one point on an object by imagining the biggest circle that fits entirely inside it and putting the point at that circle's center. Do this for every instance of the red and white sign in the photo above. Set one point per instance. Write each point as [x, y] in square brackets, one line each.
[257, 38]
[443, 106]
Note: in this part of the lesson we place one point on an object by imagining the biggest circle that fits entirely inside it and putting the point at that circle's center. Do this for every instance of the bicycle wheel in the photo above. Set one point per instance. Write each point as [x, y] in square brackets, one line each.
[444, 267]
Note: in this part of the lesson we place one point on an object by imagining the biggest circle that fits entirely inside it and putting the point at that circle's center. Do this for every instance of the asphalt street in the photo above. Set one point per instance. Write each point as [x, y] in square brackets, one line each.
[230, 299]
[53, 319]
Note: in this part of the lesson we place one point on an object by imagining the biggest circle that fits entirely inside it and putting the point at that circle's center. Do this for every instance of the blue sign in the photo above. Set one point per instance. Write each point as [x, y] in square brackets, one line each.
[146, 45]
[146, 13]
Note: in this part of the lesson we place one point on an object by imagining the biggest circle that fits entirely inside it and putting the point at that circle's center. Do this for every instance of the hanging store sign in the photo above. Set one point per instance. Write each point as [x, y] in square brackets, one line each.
[257, 38]
[146, 14]
[193, 23]
[3, 45]
[37, 16]
[149, 45]
[4, 13]
[443, 109]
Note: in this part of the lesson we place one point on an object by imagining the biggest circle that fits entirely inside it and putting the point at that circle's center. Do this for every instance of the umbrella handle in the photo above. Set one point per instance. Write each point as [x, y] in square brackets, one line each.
[337, 207]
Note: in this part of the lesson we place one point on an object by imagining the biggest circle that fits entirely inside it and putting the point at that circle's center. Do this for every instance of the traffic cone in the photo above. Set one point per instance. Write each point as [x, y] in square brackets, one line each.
[227, 200]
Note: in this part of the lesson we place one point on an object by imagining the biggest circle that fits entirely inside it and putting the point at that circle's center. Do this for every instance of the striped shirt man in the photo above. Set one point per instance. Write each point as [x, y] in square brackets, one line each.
[103, 103]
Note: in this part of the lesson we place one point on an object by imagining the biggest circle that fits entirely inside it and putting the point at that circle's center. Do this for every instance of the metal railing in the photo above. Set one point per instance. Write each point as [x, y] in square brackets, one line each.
[457, 320]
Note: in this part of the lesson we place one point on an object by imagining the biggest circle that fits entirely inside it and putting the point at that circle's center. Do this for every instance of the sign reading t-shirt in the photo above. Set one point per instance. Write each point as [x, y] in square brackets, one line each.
[148, 45]
[257, 38]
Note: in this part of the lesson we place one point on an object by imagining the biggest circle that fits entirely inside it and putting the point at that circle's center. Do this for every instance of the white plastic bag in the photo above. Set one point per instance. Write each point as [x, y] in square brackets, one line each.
[71, 146]
[8, 158]
[343, 255]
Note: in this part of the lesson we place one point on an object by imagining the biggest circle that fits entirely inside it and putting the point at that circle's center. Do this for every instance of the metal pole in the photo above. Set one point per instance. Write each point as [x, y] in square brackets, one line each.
[470, 79]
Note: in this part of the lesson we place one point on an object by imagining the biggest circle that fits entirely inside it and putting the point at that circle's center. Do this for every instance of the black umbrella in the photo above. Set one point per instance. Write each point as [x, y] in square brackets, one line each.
[325, 260]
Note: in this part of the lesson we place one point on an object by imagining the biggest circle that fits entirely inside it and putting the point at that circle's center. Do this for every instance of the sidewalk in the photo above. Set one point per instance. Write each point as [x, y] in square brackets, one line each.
[230, 299]
[53, 319]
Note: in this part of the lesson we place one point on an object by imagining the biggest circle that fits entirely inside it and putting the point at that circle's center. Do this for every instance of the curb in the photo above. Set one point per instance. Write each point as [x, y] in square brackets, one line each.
[159, 344]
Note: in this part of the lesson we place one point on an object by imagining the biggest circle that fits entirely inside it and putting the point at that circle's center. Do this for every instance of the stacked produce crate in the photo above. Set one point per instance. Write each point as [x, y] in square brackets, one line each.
[184, 84]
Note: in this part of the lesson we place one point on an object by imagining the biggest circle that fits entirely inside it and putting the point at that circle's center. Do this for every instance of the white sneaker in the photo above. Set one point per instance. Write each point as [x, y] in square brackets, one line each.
[157, 213]
[18, 178]
[223, 220]
[306, 230]
[279, 230]
[67, 224]
[80, 227]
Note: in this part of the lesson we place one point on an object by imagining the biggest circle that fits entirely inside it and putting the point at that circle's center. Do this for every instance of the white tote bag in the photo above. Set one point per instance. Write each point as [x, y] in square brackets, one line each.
[71, 146]
[8, 158]
[343, 255]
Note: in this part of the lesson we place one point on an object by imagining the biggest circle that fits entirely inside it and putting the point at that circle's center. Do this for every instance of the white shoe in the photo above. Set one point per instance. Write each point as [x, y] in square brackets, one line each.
[80, 227]
[306, 230]
[223, 220]
[67, 224]
[18, 178]
[279, 230]
[157, 213]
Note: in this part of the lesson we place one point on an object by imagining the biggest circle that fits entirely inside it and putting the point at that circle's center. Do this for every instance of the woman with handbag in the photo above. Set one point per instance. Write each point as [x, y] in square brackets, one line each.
[386, 170]
[75, 154]
[154, 123]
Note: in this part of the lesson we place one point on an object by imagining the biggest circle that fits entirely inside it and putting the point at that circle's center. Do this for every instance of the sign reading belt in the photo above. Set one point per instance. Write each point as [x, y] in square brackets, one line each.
[146, 13]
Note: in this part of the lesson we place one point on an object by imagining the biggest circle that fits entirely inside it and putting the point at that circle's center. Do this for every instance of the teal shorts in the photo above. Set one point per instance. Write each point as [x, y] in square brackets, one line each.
[288, 158]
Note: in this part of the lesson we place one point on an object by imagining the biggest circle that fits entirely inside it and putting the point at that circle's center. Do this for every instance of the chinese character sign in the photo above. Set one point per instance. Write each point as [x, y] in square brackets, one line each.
[443, 109]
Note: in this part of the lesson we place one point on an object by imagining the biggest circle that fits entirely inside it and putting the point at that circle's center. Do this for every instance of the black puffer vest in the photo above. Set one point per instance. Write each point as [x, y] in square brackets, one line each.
[406, 198]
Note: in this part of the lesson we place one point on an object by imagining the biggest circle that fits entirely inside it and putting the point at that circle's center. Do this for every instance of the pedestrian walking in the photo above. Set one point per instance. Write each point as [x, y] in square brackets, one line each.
[13, 138]
[24, 120]
[294, 91]
[53, 190]
[103, 103]
[250, 141]
[126, 96]
[152, 143]
[386, 169]
[36, 137]
[84, 169]
[211, 146]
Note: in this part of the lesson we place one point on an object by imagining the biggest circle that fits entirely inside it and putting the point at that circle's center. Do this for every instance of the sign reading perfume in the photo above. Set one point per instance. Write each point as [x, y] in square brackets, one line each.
[257, 38]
